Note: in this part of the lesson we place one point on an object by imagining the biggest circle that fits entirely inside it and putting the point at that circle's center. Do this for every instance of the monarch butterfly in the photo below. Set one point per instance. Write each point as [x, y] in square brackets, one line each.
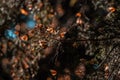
[23, 11]
[24, 37]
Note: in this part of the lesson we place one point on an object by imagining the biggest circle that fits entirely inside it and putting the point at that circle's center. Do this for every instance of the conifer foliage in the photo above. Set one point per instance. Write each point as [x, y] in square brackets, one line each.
[59, 40]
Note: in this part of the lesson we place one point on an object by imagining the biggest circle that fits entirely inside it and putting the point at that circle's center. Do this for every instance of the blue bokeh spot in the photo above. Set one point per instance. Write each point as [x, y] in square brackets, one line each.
[30, 23]
[9, 34]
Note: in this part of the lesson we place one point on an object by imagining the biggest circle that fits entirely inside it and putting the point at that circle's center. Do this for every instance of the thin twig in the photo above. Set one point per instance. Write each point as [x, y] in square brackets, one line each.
[110, 76]
[107, 56]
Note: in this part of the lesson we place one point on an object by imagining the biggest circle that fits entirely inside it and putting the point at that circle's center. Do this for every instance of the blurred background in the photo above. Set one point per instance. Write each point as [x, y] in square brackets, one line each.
[59, 40]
